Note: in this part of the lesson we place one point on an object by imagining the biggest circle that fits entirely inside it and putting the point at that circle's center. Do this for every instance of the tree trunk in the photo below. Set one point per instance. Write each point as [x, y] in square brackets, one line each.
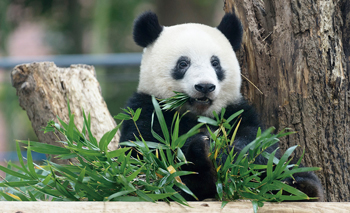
[294, 52]
[43, 90]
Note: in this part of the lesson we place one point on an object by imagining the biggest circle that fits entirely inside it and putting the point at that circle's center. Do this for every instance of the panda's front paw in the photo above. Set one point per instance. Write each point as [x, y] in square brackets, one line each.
[308, 183]
[202, 184]
[197, 151]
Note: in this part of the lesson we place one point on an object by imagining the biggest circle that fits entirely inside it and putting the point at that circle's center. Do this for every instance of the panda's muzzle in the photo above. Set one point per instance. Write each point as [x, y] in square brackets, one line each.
[203, 90]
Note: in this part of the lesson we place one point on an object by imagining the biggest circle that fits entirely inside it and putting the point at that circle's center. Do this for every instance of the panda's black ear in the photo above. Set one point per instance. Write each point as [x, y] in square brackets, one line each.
[146, 29]
[231, 27]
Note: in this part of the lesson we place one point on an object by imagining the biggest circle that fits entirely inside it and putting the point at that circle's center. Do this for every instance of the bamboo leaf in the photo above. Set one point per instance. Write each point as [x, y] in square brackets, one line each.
[137, 114]
[161, 120]
[46, 148]
[207, 120]
[119, 194]
[16, 174]
[30, 163]
[19, 183]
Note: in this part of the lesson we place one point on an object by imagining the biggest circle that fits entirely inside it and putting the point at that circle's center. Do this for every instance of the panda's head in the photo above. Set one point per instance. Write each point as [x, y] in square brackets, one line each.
[190, 58]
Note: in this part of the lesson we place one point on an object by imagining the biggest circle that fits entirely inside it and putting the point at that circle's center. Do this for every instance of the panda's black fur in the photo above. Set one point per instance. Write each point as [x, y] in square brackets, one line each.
[196, 148]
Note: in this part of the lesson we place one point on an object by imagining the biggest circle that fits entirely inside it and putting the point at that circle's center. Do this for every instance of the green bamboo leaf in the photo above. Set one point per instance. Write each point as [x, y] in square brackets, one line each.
[255, 206]
[137, 114]
[216, 116]
[283, 159]
[144, 196]
[207, 120]
[63, 124]
[118, 152]
[175, 134]
[92, 194]
[30, 163]
[63, 169]
[103, 142]
[21, 196]
[20, 158]
[184, 188]
[70, 130]
[19, 183]
[152, 145]
[16, 174]
[122, 116]
[176, 197]
[67, 156]
[119, 194]
[7, 197]
[81, 176]
[87, 122]
[161, 120]
[289, 173]
[64, 191]
[111, 135]
[46, 148]
[180, 155]
[157, 197]
[292, 190]
[270, 165]
[129, 199]
[300, 159]
[223, 204]
[233, 116]
[90, 153]
[219, 189]
[32, 197]
[50, 192]
[134, 174]
[258, 134]
[47, 179]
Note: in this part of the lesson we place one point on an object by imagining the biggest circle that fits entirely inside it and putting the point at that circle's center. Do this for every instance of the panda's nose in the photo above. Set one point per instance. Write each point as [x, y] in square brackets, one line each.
[205, 88]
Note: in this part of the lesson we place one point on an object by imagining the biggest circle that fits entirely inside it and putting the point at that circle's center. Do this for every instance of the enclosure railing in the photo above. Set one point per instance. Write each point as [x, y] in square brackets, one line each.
[114, 59]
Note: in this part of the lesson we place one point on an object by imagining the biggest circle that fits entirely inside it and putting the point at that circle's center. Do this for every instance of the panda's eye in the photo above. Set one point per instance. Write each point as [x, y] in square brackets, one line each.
[215, 63]
[183, 64]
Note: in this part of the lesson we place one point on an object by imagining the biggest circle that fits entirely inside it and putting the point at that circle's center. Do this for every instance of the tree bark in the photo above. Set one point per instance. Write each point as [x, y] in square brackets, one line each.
[294, 52]
[43, 90]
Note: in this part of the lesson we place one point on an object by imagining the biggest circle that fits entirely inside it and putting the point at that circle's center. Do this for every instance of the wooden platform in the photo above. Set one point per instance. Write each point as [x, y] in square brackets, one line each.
[143, 207]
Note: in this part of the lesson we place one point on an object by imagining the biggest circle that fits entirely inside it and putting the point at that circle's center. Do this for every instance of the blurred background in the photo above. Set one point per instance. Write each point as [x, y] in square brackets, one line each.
[33, 28]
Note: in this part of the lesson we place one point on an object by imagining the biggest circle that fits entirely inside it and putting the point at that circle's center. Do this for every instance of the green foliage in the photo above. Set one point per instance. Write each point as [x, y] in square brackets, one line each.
[102, 175]
[238, 175]
[175, 101]
[99, 174]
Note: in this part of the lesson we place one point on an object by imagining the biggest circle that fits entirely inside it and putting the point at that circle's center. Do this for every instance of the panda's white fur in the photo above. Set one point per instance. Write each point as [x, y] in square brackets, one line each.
[199, 43]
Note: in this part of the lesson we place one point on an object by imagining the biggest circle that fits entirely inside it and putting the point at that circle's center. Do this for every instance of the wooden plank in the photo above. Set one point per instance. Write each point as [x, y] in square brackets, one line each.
[161, 207]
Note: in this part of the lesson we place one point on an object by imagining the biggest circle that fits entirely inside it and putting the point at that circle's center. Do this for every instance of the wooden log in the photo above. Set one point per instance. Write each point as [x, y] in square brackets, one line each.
[43, 90]
[160, 207]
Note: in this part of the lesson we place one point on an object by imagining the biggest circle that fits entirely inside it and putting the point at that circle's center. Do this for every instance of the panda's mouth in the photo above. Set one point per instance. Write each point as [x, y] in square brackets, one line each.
[204, 101]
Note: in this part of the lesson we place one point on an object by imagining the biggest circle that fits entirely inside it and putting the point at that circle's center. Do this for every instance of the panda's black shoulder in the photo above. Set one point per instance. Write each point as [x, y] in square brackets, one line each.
[140, 100]
[249, 116]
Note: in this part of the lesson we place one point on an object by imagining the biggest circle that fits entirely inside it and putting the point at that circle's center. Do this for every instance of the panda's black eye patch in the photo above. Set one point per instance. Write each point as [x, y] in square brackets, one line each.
[215, 63]
[182, 64]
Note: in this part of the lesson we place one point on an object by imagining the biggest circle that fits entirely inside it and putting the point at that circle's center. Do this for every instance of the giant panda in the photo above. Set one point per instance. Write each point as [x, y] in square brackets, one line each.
[200, 61]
